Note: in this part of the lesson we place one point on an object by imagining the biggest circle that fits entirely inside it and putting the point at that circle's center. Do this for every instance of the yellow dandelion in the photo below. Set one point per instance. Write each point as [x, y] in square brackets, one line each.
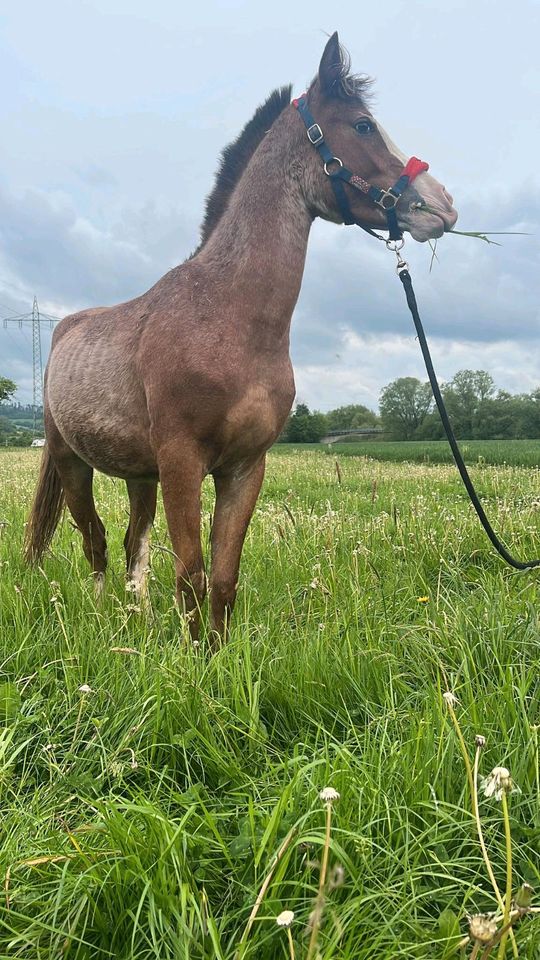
[422, 599]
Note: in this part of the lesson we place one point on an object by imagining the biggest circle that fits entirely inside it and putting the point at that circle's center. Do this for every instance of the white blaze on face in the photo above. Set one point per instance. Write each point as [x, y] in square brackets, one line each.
[391, 147]
[431, 192]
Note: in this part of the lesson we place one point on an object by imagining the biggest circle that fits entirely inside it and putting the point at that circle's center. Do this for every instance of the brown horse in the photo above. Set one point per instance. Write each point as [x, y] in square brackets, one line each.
[194, 376]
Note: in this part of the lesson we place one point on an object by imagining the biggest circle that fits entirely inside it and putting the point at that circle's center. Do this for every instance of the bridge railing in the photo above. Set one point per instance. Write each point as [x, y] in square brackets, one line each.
[365, 431]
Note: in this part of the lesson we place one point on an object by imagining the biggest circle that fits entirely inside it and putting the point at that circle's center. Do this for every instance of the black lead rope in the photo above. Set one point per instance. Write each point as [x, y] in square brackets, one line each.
[405, 278]
[388, 199]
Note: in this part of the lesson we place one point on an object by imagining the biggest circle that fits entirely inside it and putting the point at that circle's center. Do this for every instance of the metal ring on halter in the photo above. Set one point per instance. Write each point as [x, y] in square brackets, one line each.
[395, 245]
[333, 160]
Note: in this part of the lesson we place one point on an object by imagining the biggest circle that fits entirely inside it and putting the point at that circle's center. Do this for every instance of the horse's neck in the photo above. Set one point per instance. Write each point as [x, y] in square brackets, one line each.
[259, 245]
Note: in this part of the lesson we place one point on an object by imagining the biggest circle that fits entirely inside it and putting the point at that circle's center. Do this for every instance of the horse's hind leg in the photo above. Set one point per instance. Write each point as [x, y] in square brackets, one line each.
[142, 510]
[76, 477]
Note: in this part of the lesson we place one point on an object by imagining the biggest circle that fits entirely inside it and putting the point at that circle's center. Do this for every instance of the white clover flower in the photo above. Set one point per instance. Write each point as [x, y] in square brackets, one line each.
[329, 795]
[498, 782]
[84, 688]
[285, 918]
[482, 927]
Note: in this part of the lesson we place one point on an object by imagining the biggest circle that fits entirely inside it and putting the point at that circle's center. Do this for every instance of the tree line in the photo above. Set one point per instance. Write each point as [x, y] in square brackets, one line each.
[477, 410]
[16, 419]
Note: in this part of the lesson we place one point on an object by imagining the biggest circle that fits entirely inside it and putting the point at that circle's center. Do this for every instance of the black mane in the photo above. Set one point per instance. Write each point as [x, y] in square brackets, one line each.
[235, 157]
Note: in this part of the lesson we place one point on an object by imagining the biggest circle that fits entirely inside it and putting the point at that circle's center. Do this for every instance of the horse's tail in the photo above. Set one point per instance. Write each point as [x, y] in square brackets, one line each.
[46, 510]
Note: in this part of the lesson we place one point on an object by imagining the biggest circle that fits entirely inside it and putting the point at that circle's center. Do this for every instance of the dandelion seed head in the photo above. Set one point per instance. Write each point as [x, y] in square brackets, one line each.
[329, 795]
[450, 698]
[498, 782]
[479, 740]
[337, 877]
[482, 927]
[285, 918]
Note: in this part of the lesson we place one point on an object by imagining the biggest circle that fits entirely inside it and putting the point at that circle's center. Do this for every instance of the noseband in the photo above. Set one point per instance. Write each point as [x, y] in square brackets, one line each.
[339, 174]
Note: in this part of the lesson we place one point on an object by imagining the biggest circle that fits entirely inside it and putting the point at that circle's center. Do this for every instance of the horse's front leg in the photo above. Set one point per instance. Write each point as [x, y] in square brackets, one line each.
[236, 496]
[181, 477]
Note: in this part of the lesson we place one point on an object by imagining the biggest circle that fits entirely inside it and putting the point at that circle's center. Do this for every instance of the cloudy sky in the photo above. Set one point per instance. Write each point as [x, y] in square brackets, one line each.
[113, 116]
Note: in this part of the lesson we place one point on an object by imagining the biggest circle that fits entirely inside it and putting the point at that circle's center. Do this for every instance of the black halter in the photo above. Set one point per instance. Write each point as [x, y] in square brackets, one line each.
[386, 199]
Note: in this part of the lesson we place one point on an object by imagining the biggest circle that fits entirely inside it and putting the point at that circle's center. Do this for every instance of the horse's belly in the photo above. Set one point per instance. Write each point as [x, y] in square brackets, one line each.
[100, 410]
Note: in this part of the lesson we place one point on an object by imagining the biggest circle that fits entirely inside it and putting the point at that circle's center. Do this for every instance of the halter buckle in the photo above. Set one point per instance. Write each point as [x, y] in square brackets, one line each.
[387, 199]
[315, 134]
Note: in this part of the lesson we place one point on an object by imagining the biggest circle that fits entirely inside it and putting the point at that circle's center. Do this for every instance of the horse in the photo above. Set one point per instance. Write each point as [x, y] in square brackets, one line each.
[194, 377]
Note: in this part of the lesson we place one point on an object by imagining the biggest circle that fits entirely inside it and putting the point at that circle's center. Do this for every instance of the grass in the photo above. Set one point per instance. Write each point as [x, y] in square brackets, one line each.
[516, 453]
[140, 818]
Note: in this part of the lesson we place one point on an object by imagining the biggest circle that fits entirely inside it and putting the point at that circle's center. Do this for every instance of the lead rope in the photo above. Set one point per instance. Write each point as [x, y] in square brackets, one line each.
[405, 277]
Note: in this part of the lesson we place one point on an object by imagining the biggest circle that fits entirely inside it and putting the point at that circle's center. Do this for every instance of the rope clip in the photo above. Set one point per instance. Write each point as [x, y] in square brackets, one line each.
[396, 246]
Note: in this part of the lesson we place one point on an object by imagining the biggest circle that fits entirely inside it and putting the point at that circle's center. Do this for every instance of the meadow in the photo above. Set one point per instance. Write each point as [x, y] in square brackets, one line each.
[152, 796]
[516, 453]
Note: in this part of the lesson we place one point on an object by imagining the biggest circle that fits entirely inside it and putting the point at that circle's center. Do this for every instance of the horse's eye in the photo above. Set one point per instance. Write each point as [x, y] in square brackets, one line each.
[364, 126]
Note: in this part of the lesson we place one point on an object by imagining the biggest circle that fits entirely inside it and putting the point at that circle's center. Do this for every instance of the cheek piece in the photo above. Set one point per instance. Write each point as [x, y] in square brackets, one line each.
[339, 175]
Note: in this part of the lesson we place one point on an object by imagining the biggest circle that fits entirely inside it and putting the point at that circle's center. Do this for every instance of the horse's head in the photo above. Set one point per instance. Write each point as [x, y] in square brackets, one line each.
[336, 101]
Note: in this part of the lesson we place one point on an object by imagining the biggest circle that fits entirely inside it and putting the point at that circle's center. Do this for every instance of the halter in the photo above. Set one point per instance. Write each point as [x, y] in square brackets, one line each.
[386, 199]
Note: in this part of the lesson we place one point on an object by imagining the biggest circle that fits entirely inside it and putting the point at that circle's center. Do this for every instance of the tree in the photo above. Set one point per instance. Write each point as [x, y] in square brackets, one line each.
[304, 426]
[351, 417]
[7, 389]
[497, 418]
[404, 404]
[463, 396]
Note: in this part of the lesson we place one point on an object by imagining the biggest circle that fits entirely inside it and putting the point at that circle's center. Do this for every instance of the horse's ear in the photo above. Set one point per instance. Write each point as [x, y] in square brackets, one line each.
[331, 65]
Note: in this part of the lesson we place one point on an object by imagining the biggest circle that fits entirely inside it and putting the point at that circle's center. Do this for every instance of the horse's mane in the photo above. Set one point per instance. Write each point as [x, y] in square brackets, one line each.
[237, 154]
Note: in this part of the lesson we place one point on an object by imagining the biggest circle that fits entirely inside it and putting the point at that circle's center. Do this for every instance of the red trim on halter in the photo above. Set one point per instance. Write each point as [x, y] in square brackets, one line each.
[297, 99]
[414, 167]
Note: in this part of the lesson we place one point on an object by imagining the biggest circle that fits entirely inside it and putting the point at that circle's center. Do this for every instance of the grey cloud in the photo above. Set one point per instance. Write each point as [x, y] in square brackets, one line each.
[71, 260]
[474, 291]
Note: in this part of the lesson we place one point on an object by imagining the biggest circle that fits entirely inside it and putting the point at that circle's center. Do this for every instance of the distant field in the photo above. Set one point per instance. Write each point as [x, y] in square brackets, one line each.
[518, 453]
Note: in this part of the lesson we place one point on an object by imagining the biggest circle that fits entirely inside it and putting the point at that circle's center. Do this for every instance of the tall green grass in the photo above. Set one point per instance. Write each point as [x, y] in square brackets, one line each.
[140, 818]
[516, 453]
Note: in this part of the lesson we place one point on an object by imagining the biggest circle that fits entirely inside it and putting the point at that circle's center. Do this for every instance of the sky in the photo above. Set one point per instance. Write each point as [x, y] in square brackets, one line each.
[114, 114]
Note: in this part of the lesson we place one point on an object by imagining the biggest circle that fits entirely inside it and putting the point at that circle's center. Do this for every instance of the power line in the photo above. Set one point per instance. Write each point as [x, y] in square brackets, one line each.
[35, 318]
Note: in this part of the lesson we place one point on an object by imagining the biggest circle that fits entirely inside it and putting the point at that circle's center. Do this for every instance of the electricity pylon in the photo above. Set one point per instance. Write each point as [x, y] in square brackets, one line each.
[35, 318]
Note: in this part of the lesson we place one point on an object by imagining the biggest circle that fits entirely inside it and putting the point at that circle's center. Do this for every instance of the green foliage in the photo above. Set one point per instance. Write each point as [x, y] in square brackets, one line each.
[16, 423]
[475, 410]
[140, 819]
[463, 396]
[351, 417]
[7, 389]
[304, 426]
[404, 404]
